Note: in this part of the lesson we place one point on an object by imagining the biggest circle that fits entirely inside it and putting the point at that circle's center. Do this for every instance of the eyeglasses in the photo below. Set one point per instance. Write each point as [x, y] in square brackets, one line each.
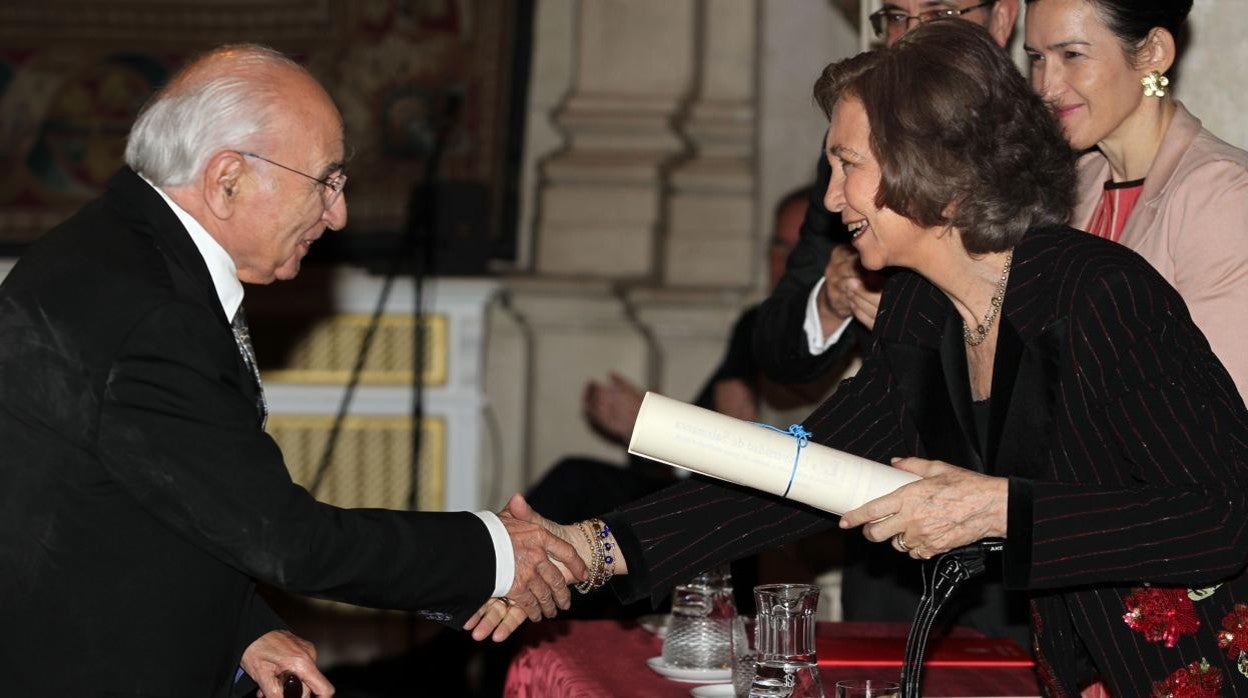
[894, 22]
[332, 185]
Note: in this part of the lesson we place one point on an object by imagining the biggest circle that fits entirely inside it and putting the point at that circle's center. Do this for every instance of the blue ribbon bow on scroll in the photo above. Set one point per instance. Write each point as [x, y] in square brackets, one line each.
[803, 437]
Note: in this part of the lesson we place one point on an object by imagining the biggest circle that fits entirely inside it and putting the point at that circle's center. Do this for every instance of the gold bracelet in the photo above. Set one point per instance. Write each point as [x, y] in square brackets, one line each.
[596, 562]
[602, 532]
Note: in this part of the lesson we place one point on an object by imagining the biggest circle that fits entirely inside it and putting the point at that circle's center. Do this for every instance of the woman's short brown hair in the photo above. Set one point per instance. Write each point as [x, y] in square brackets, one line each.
[961, 139]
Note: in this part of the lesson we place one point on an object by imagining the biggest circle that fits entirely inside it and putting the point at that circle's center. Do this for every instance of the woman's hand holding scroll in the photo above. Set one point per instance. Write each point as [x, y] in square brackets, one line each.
[949, 508]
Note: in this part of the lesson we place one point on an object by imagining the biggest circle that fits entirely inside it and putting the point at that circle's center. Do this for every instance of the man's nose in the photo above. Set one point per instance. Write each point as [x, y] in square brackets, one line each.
[335, 216]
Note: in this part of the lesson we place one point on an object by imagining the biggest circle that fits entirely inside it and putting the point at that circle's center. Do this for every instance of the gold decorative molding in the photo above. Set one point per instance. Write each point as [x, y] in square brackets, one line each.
[329, 350]
[371, 462]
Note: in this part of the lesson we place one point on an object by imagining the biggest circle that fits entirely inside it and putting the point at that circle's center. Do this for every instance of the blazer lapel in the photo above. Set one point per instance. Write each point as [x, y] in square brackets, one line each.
[1024, 429]
[1178, 138]
[927, 388]
[1025, 368]
[143, 209]
[1005, 368]
[958, 392]
[1094, 171]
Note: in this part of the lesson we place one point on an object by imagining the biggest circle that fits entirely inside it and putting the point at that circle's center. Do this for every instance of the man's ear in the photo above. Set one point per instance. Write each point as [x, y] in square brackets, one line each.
[1157, 52]
[1001, 20]
[221, 183]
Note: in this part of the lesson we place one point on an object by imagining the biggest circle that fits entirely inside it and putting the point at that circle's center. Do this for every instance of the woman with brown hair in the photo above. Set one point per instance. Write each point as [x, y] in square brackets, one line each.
[1091, 425]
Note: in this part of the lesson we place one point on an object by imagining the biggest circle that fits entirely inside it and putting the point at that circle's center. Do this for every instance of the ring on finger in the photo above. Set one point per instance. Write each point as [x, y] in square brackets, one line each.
[900, 541]
[508, 602]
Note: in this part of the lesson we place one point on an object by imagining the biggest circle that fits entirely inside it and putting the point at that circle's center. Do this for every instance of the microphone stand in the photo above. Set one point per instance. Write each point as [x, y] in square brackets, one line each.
[417, 245]
[420, 246]
[950, 572]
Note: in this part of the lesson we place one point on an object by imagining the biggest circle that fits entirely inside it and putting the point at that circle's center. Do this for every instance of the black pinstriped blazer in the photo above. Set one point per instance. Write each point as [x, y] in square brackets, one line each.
[1123, 437]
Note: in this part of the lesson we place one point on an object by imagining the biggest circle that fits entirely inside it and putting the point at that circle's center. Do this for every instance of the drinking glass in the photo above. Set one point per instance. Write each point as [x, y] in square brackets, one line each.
[744, 655]
[866, 688]
[699, 633]
[785, 639]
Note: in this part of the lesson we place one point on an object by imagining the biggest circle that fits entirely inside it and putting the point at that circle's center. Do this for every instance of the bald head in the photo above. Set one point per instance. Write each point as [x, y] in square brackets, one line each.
[250, 145]
[233, 97]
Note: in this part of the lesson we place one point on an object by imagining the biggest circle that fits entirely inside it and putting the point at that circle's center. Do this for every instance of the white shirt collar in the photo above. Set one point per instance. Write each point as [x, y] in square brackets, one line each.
[220, 265]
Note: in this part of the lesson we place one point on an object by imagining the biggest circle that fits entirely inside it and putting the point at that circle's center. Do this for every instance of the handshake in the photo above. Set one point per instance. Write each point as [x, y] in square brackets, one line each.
[549, 557]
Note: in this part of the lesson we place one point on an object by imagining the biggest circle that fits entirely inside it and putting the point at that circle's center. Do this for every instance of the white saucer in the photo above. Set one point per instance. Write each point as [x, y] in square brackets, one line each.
[655, 623]
[692, 675]
[715, 690]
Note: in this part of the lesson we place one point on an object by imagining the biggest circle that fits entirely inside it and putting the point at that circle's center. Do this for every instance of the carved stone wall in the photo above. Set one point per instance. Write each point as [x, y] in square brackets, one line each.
[710, 236]
[601, 196]
[1216, 30]
[667, 131]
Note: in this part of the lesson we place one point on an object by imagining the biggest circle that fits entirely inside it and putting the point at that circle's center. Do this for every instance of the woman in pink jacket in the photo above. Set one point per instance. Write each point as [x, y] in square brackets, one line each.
[1153, 179]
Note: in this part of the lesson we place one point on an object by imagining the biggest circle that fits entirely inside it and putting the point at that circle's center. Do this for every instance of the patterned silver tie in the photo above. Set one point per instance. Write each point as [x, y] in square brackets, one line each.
[242, 337]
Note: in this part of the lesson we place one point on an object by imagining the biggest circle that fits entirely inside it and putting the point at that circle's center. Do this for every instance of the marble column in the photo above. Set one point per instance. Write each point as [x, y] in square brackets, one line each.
[689, 330]
[600, 204]
[711, 240]
[576, 331]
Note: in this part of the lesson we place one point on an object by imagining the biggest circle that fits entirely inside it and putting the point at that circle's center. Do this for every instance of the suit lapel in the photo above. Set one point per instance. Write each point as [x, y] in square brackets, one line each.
[1025, 368]
[928, 379]
[1023, 429]
[932, 377]
[1005, 368]
[143, 210]
[1183, 129]
[958, 392]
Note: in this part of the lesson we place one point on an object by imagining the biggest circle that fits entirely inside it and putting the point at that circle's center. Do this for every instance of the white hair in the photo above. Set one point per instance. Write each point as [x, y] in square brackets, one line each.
[196, 115]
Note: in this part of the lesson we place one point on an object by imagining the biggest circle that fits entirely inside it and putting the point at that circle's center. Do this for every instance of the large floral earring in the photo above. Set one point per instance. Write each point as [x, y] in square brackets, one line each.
[1155, 84]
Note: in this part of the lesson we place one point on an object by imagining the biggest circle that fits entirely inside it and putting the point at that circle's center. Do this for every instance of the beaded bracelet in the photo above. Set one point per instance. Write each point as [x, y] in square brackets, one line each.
[602, 560]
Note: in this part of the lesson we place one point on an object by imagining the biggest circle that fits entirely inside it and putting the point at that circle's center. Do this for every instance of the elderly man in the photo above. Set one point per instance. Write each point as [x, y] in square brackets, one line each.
[140, 498]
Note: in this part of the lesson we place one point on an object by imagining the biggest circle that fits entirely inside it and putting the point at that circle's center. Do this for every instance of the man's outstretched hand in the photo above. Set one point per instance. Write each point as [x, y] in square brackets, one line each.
[498, 618]
[546, 562]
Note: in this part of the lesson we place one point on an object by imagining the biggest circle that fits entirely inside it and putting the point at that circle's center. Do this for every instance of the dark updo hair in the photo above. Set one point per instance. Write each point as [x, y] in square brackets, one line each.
[954, 122]
[1132, 20]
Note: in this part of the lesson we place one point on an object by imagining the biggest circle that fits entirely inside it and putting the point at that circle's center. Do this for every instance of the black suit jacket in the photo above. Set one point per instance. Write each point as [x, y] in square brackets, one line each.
[779, 338]
[140, 501]
[1123, 437]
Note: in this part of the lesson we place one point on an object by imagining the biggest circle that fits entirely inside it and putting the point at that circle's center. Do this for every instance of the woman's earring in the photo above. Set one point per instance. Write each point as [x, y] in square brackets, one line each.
[1155, 84]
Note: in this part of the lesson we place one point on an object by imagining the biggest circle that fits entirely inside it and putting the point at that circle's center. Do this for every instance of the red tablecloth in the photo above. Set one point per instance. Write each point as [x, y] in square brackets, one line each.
[606, 659]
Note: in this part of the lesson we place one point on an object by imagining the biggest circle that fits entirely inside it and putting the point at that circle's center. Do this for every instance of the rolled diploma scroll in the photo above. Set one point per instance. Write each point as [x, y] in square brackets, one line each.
[723, 447]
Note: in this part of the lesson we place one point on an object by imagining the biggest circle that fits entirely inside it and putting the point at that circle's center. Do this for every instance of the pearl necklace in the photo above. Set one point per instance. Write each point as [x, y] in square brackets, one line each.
[977, 336]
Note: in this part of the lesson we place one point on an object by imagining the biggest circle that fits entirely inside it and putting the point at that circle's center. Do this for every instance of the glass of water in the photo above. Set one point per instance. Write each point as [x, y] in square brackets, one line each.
[866, 688]
[699, 633]
[785, 638]
[744, 655]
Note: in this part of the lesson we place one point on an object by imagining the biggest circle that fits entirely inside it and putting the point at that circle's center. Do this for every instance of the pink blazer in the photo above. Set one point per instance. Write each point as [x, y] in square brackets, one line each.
[1191, 224]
